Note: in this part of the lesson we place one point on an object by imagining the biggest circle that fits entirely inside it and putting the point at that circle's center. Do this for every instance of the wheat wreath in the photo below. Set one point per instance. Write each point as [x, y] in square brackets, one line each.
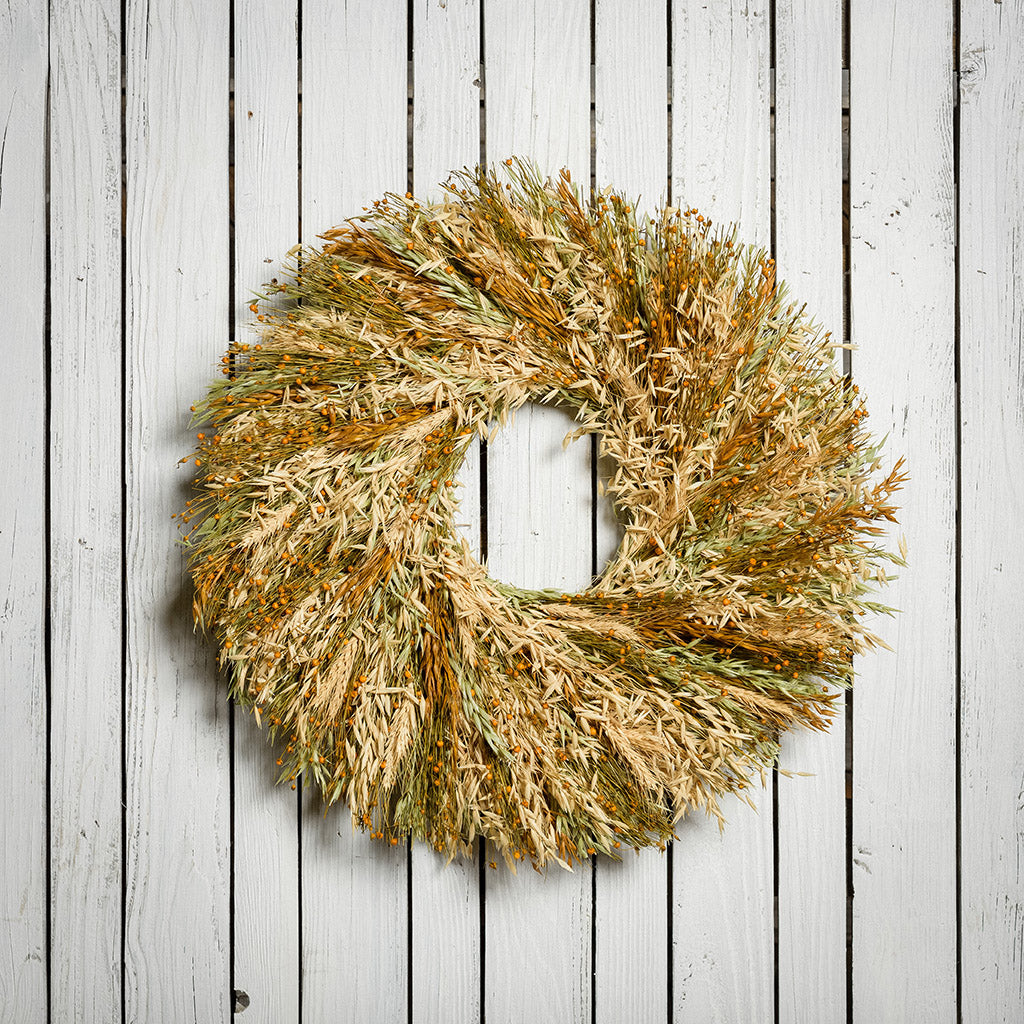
[443, 704]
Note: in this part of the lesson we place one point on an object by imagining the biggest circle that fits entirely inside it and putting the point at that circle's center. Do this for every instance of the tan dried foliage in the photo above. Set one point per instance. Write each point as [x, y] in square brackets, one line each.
[446, 705]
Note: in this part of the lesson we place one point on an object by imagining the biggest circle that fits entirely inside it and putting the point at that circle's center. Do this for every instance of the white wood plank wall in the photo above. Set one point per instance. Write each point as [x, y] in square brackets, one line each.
[86, 517]
[355, 899]
[24, 661]
[722, 884]
[991, 422]
[177, 828]
[157, 161]
[538, 930]
[265, 847]
[446, 902]
[811, 837]
[902, 320]
[631, 913]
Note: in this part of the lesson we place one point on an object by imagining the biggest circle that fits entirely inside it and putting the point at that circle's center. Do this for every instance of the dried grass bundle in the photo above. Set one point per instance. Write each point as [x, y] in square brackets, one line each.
[446, 705]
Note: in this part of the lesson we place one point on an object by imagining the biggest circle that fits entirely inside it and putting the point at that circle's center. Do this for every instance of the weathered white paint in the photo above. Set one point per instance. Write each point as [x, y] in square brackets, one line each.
[354, 892]
[23, 43]
[631, 148]
[992, 507]
[445, 899]
[539, 510]
[85, 510]
[811, 821]
[356, 909]
[266, 819]
[901, 320]
[723, 956]
[177, 755]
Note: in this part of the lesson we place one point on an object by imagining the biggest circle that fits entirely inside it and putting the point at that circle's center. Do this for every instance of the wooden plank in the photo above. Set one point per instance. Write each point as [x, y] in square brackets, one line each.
[266, 833]
[991, 557]
[448, 79]
[354, 892]
[723, 956]
[631, 93]
[85, 511]
[177, 801]
[811, 819]
[631, 932]
[445, 904]
[902, 324]
[538, 929]
[23, 952]
[720, 115]
[446, 96]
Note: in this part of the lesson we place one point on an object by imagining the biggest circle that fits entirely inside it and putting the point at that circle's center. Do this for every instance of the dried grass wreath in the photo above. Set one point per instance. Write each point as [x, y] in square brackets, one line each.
[446, 705]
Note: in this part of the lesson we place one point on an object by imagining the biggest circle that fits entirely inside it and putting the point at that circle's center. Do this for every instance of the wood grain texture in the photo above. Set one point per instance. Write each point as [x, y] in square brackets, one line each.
[177, 800]
[631, 968]
[992, 499]
[721, 146]
[631, 94]
[446, 96]
[445, 907]
[534, 960]
[902, 324]
[811, 819]
[538, 929]
[448, 84]
[354, 891]
[266, 835]
[85, 511]
[723, 956]
[23, 809]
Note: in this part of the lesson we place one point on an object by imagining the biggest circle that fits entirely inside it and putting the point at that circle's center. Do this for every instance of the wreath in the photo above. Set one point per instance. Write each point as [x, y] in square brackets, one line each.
[443, 704]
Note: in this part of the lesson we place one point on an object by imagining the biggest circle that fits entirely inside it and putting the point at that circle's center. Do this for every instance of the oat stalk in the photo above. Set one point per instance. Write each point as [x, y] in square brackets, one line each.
[446, 705]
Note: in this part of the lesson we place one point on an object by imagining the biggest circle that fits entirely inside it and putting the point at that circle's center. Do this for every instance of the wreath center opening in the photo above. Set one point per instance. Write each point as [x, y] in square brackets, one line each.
[547, 521]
